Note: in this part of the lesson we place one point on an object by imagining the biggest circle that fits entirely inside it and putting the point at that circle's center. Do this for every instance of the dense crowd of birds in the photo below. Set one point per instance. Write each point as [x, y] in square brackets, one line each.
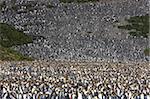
[74, 80]
[77, 30]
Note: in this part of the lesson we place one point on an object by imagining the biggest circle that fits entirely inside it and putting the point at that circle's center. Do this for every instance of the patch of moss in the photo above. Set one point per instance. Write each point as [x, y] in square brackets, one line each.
[137, 26]
[147, 51]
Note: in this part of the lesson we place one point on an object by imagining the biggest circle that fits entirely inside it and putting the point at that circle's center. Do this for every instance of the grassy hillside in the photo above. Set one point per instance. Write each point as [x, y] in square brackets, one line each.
[9, 36]
[137, 26]
[8, 54]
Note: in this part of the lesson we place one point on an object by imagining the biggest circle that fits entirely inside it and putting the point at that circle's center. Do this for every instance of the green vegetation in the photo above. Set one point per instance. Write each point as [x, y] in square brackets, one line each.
[8, 54]
[137, 26]
[77, 1]
[9, 36]
[147, 51]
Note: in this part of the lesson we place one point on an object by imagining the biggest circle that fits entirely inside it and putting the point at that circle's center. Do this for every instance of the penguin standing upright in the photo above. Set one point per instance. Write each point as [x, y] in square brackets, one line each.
[7, 96]
[79, 95]
[148, 96]
[100, 96]
[1, 92]
[142, 96]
